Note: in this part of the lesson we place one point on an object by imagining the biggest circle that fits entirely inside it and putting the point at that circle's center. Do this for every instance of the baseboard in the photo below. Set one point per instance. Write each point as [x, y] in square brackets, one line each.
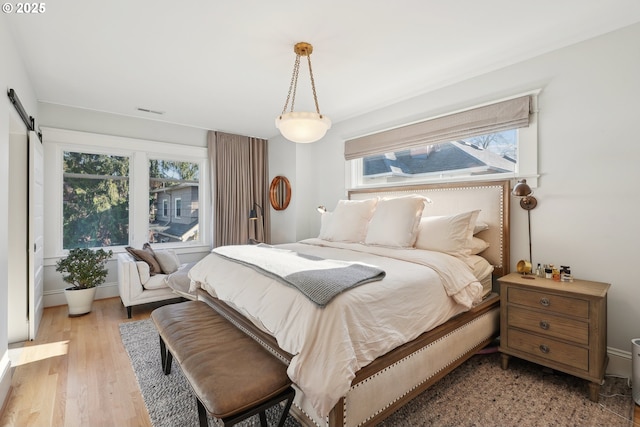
[619, 362]
[5, 379]
[55, 298]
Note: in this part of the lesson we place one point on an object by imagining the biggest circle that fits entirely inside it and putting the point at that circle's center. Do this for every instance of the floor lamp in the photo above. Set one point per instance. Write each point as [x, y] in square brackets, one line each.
[254, 218]
[527, 202]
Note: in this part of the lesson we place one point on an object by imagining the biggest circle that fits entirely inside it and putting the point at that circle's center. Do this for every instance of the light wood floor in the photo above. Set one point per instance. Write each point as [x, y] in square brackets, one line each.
[77, 372]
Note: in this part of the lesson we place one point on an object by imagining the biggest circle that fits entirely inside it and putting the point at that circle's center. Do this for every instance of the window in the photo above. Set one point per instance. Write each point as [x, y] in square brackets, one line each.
[489, 154]
[95, 200]
[174, 183]
[109, 191]
[494, 141]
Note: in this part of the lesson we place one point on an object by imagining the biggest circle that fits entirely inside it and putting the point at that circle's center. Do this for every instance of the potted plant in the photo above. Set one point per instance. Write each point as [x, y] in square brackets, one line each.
[84, 269]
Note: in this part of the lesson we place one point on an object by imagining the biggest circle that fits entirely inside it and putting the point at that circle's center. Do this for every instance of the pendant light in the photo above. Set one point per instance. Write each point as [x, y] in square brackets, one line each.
[302, 126]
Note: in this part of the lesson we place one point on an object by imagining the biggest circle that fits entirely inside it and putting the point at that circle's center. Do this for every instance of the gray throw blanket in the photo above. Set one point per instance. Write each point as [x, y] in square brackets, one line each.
[317, 278]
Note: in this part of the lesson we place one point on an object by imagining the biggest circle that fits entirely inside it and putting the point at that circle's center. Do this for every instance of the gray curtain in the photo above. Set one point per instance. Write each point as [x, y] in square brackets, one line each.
[240, 183]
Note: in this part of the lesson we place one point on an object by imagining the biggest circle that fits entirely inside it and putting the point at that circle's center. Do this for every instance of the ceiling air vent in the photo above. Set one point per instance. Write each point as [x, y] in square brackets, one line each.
[147, 110]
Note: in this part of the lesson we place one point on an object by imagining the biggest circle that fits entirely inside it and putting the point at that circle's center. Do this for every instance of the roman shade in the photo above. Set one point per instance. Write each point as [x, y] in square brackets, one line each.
[504, 115]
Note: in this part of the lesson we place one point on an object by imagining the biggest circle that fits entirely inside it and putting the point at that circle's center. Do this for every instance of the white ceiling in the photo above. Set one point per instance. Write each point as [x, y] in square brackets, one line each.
[226, 65]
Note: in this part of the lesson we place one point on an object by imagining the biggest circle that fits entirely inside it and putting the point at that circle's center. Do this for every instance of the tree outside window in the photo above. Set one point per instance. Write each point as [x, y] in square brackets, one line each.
[95, 200]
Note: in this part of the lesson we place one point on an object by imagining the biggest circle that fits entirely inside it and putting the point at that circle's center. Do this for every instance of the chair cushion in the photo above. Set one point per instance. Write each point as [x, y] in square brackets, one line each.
[158, 281]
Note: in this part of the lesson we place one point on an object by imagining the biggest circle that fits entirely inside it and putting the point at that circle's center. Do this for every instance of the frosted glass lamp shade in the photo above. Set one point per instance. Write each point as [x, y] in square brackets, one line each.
[303, 127]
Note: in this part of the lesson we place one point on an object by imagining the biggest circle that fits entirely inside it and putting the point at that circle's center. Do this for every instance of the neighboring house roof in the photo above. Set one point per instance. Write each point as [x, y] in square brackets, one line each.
[448, 156]
[174, 230]
[173, 187]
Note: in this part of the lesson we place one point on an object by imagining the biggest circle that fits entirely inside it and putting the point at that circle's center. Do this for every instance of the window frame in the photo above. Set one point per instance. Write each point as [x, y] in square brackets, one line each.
[527, 166]
[177, 210]
[139, 152]
[165, 208]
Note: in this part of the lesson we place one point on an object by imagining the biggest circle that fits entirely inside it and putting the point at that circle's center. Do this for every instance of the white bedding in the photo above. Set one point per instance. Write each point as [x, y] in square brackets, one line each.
[330, 344]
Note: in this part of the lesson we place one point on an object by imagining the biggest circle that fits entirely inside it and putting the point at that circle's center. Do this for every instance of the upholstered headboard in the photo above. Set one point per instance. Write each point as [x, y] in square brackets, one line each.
[492, 198]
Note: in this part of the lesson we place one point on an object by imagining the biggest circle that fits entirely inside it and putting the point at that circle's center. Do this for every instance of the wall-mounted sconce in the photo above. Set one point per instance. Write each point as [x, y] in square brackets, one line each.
[527, 202]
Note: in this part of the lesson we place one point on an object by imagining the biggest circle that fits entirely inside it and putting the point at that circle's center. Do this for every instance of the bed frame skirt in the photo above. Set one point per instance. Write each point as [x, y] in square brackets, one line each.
[392, 380]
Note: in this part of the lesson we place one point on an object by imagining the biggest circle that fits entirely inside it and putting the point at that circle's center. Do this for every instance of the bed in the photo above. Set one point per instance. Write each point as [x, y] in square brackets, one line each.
[358, 355]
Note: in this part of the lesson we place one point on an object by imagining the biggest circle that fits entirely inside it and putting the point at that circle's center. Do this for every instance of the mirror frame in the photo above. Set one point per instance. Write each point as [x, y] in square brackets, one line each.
[276, 204]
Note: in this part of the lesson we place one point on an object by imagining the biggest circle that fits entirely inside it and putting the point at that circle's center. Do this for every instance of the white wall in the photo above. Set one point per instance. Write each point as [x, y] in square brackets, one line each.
[64, 117]
[587, 214]
[282, 161]
[12, 75]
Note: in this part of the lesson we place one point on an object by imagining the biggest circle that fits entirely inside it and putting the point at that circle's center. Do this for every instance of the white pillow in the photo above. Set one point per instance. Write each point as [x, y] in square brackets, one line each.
[395, 222]
[325, 220]
[349, 220]
[167, 259]
[449, 234]
[477, 245]
[143, 271]
[480, 226]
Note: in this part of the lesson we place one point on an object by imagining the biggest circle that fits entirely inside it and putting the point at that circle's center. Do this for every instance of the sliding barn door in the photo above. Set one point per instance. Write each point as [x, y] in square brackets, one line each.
[17, 257]
[35, 239]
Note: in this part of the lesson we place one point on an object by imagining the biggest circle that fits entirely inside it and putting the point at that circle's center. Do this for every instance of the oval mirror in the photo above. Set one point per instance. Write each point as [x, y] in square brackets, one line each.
[280, 193]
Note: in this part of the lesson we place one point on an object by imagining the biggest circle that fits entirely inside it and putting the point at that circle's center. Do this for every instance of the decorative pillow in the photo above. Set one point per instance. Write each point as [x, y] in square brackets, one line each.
[395, 222]
[168, 260]
[477, 245]
[325, 220]
[349, 220]
[143, 272]
[146, 255]
[480, 226]
[449, 234]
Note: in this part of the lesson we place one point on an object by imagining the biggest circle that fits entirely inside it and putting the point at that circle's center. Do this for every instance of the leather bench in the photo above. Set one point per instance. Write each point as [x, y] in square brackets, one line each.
[232, 376]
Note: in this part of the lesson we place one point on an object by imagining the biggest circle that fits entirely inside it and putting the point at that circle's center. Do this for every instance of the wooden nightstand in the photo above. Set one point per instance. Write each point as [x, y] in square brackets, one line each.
[561, 325]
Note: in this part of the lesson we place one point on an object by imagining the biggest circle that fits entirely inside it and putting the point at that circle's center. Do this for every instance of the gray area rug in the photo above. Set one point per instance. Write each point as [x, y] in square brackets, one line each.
[478, 393]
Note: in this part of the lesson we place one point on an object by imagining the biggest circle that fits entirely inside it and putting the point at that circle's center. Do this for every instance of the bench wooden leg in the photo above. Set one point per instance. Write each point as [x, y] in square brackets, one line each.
[163, 353]
[288, 394]
[129, 312]
[167, 363]
[166, 358]
[263, 419]
[202, 414]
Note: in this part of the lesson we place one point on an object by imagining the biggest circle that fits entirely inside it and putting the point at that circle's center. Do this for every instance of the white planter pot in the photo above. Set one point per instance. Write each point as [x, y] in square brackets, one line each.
[80, 300]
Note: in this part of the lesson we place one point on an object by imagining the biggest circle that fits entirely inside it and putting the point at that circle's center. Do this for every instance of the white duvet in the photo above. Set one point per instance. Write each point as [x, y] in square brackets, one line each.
[421, 290]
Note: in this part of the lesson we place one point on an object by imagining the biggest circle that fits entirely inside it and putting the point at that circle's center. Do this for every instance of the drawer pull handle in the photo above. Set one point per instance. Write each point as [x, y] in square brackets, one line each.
[545, 302]
[544, 348]
[544, 325]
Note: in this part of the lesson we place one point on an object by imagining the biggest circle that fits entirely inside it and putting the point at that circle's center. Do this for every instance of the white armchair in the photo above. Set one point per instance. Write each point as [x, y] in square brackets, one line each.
[137, 286]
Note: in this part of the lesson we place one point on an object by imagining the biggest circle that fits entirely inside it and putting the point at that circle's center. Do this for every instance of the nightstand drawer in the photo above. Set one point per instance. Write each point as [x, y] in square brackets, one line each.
[548, 324]
[551, 302]
[549, 349]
